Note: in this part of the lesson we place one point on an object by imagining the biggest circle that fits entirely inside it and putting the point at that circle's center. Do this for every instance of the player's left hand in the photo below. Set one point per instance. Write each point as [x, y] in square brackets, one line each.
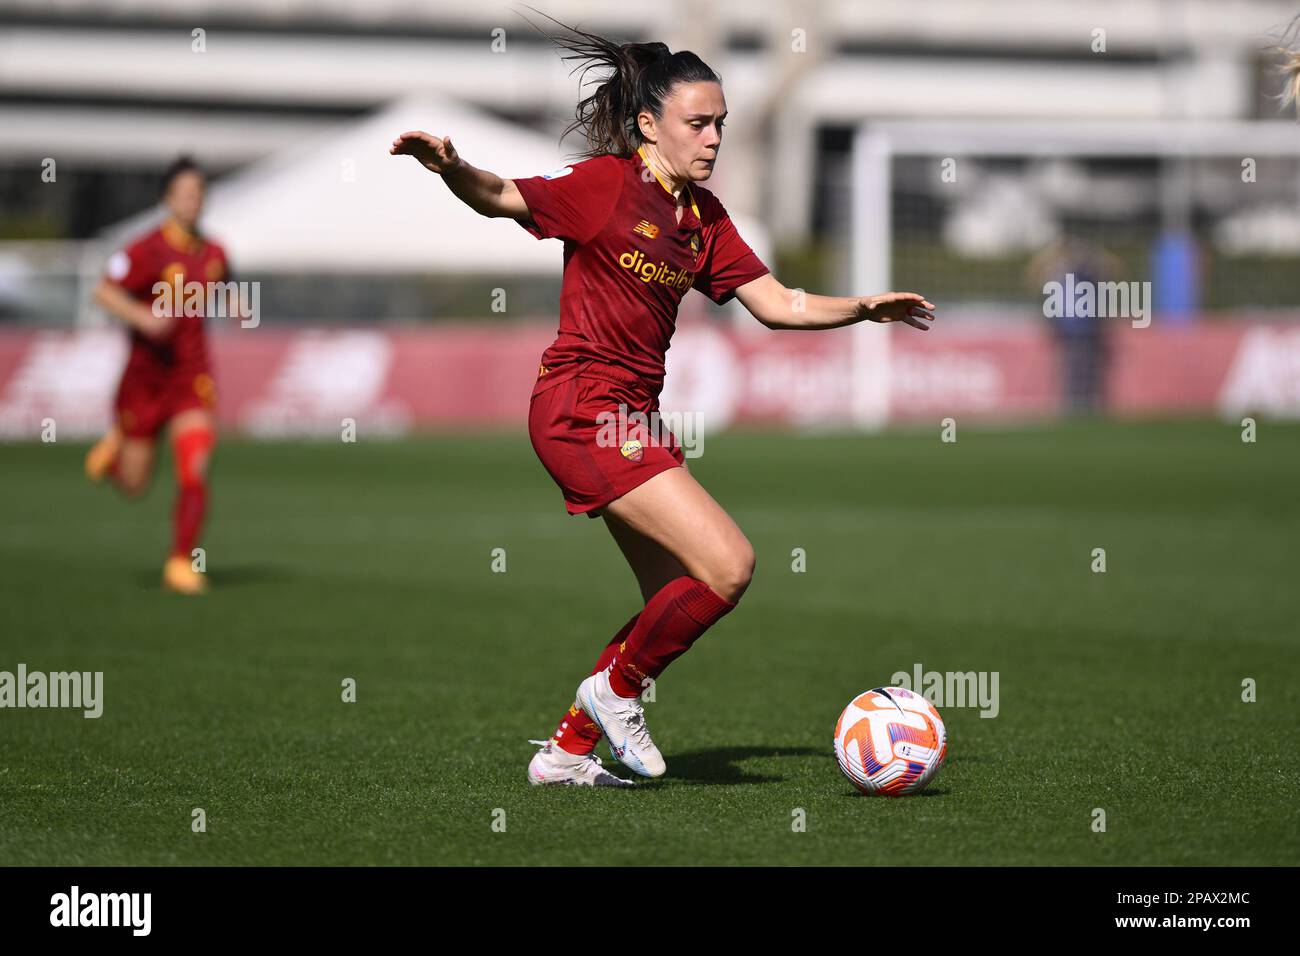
[906, 307]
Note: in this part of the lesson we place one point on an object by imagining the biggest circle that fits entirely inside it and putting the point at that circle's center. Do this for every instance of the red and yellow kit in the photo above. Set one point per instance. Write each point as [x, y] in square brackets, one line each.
[628, 263]
[164, 377]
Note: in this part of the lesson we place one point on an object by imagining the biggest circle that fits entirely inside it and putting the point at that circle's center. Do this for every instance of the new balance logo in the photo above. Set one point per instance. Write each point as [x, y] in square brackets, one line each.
[646, 228]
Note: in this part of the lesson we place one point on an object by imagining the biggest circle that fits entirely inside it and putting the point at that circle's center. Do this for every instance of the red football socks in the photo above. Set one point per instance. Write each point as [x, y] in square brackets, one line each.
[577, 733]
[680, 612]
[191, 449]
[661, 632]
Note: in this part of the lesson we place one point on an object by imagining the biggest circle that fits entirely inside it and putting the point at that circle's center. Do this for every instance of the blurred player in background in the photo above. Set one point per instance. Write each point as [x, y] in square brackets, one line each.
[167, 383]
[638, 232]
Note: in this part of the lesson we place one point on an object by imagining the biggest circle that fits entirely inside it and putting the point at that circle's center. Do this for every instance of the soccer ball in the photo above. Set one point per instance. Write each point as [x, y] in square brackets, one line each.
[890, 741]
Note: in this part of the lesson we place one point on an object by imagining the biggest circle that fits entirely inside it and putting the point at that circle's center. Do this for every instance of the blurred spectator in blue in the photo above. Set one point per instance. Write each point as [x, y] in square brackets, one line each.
[1079, 331]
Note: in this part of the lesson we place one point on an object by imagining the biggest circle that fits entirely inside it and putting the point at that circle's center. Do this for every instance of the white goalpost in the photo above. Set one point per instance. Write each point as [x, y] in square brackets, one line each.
[873, 225]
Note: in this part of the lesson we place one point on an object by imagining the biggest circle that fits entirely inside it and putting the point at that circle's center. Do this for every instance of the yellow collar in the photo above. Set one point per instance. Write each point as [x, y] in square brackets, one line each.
[178, 238]
[640, 151]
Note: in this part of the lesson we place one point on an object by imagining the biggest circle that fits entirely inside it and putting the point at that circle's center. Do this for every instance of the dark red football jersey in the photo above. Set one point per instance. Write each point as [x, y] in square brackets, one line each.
[164, 255]
[628, 262]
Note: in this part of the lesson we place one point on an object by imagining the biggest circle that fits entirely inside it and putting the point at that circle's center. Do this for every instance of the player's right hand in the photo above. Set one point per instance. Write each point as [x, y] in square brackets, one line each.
[434, 154]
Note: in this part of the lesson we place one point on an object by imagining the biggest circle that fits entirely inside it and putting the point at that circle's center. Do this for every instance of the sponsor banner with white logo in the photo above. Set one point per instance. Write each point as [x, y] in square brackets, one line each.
[277, 382]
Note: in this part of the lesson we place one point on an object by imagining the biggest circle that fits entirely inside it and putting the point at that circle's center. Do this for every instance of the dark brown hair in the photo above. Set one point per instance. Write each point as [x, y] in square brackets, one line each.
[639, 76]
[181, 164]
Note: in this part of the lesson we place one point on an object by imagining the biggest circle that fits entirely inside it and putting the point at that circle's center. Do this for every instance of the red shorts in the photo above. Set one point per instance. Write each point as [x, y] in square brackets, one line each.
[148, 399]
[597, 458]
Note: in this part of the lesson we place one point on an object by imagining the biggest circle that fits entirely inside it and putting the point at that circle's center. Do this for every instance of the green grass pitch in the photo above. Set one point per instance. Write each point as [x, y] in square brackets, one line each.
[1120, 691]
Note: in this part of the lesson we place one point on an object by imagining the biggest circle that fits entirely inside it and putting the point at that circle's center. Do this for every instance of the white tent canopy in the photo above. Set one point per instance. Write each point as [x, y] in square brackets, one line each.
[340, 202]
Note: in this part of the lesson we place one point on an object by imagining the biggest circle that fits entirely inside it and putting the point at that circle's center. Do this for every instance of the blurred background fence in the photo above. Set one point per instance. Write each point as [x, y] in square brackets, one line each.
[973, 151]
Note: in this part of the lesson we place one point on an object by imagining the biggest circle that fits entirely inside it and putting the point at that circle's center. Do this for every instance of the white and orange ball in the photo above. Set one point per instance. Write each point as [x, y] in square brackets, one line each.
[890, 741]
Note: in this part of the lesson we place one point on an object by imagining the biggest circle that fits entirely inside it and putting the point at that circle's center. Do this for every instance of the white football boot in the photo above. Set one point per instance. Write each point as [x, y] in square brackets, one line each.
[554, 765]
[623, 722]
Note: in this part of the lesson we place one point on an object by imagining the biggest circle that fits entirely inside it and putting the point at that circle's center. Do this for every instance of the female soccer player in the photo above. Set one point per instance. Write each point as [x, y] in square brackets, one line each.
[638, 231]
[167, 381]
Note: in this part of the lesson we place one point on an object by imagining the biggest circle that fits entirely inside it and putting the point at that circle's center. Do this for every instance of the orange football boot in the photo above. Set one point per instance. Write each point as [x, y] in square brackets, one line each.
[180, 576]
[102, 455]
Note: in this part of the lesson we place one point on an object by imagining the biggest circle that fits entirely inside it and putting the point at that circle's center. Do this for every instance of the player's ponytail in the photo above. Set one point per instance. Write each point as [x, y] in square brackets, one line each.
[638, 76]
[1291, 84]
[1290, 68]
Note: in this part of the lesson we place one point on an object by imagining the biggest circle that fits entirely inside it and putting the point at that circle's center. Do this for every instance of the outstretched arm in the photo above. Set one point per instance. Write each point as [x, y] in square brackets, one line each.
[484, 192]
[780, 308]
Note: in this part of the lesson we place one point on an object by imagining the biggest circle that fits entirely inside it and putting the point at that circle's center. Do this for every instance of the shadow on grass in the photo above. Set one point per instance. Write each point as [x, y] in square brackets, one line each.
[249, 574]
[718, 765]
[226, 577]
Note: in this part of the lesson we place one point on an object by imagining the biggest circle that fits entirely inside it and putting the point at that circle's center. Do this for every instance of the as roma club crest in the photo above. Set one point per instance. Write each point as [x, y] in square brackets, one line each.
[695, 244]
[632, 450]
